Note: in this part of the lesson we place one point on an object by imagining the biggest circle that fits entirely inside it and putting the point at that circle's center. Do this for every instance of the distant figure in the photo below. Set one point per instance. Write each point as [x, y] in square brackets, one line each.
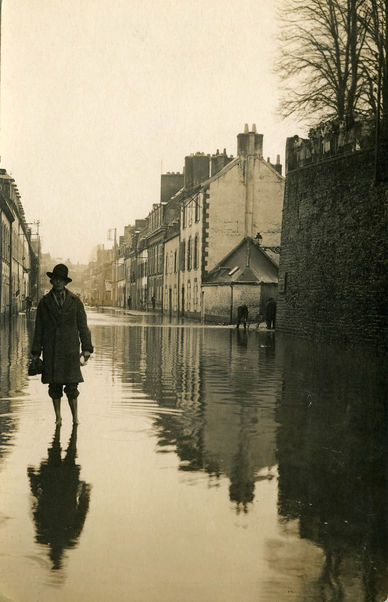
[129, 302]
[270, 313]
[153, 301]
[59, 326]
[28, 305]
[242, 315]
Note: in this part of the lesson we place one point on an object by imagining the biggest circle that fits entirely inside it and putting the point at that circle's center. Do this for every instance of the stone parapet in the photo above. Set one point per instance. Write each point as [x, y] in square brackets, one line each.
[330, 139]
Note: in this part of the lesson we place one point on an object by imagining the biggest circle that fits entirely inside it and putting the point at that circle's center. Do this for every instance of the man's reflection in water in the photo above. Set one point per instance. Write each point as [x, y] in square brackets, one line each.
[61, 500]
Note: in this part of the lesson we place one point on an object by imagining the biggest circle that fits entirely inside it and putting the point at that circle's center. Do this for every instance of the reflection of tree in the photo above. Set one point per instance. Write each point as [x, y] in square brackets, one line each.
[61, 500]
[332, 468]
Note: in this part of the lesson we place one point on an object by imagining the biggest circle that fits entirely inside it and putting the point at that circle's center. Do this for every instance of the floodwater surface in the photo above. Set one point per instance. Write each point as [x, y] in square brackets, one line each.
[210, 465]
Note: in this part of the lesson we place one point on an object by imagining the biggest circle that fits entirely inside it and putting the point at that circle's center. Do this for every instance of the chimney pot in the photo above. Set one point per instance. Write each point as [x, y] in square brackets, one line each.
[277, 159]
[254, 127]
[246, 129]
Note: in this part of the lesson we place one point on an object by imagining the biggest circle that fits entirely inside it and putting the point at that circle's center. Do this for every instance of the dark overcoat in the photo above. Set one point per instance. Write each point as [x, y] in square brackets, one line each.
[270, 310]
[58, 333]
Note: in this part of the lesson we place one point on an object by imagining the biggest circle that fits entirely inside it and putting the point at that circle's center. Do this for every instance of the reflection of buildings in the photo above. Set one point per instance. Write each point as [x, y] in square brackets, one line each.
[231, 404]
[240, 428]
[332, 466]
[216, 393]
[61, 500]
[13, 375]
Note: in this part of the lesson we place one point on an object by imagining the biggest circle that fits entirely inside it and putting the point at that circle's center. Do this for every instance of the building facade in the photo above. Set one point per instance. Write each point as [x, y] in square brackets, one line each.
[243, 199]
[18, 262]
[168, 262]
[171, 271]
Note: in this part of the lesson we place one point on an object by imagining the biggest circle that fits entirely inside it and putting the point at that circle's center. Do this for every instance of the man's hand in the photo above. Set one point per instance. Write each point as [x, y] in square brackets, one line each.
[86, 355]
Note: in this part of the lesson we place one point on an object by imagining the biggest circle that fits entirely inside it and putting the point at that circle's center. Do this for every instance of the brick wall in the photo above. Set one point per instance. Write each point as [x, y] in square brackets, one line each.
[333, 272]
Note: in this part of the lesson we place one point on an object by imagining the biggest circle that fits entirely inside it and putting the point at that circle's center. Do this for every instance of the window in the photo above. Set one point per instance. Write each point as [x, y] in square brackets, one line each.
[166, 263]
[160, 259]
[189, 254]
[196, 216]
[188, 303]
[195, 258]
[183, 255]
[175, 261]
[184, 216]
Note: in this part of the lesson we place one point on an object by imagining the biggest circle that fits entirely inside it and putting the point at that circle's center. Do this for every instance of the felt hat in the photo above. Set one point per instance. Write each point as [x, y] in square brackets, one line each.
[60, 271]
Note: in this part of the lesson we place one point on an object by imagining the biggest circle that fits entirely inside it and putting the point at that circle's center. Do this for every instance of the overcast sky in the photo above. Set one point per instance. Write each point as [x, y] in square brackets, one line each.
[98, 95]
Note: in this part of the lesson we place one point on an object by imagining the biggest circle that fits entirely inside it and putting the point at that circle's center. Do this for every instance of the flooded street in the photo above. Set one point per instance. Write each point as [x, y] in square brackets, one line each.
[209, 465]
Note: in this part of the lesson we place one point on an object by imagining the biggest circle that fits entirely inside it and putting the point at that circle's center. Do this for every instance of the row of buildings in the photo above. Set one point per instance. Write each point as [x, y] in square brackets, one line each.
[210, 244]
[19, 251]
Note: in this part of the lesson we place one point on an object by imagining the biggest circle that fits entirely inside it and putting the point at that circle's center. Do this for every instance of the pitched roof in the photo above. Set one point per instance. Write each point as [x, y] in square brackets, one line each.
[255, 266]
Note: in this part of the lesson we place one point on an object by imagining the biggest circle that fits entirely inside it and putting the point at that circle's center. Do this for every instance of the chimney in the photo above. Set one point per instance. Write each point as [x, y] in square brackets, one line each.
[218, 162]
[170, 183]
[278, 165]
[250, 142]
[196, 170]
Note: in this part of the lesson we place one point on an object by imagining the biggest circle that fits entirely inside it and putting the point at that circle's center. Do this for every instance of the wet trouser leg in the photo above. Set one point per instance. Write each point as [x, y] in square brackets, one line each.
[72, 393]
[55, 392]
[71, 390]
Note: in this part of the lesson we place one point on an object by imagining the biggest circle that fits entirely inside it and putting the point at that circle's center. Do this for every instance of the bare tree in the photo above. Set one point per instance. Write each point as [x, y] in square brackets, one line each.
[372, 18]
[329, 59]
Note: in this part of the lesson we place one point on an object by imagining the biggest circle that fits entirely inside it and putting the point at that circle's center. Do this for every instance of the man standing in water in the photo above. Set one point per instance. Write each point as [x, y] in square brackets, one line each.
[60, 325]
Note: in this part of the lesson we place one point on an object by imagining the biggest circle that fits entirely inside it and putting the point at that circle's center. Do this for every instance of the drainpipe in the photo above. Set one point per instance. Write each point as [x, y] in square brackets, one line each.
[231, 303]
[10, 269]
[178, 298]
[1, 269]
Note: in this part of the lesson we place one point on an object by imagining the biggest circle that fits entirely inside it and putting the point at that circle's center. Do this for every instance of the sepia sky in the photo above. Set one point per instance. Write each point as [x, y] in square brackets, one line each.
[97, 96]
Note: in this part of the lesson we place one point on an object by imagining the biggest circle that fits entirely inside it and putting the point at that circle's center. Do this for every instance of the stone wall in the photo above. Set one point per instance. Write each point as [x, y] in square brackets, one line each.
[219, 298]
[333, 272]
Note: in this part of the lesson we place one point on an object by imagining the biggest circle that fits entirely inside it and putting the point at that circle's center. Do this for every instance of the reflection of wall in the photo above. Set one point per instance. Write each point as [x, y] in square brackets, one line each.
[332, 471]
